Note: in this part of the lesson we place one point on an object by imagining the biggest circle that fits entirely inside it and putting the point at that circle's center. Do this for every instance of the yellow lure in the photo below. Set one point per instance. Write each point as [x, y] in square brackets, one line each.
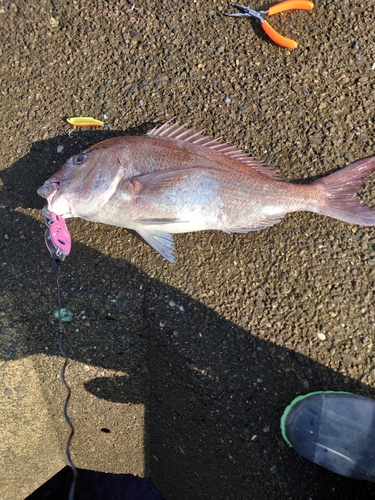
[84, 121]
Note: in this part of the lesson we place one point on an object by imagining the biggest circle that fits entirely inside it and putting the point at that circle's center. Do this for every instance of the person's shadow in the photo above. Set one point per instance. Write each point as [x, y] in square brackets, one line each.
[213, 392]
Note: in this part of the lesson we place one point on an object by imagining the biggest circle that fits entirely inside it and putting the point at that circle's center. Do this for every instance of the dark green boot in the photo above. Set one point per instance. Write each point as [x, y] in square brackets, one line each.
[335, 430]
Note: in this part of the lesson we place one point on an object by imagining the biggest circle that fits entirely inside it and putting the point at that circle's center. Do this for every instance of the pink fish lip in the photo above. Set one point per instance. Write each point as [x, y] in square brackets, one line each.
[48, 190]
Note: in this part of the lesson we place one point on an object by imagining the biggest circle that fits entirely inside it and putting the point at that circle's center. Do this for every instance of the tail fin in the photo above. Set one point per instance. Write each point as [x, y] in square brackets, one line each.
[341, 188]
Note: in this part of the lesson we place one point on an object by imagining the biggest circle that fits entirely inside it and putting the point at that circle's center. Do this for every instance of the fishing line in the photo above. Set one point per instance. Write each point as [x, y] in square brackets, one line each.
[58, 242]
[66, 385]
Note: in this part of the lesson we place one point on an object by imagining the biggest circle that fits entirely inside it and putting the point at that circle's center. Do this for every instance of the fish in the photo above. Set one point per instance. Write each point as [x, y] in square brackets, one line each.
[176, 179]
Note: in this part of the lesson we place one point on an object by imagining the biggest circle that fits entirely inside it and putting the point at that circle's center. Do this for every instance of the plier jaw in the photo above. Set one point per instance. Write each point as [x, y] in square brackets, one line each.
[274, 9]
[247, 12]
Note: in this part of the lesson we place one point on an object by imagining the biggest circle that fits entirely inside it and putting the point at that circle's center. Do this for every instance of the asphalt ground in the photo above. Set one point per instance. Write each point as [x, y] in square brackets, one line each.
[189, 366]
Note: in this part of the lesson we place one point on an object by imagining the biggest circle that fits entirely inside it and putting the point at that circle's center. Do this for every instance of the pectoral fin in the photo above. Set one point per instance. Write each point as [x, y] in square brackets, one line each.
[160, 241]
[159, 180]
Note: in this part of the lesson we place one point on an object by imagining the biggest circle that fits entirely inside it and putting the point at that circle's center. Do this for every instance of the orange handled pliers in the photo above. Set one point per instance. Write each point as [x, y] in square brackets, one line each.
[275, 9]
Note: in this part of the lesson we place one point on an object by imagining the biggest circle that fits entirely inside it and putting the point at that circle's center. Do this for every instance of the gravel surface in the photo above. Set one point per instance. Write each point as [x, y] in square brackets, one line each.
[215, 346]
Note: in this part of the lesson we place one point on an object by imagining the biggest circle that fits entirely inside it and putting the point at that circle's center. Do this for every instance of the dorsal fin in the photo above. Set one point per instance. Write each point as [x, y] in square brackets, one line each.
[194, 136]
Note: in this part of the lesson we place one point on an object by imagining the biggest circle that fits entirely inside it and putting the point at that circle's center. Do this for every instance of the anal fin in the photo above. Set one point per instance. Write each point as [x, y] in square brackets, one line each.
[258, 226]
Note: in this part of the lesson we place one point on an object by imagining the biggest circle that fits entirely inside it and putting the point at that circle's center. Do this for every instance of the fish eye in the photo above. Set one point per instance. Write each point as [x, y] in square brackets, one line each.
[80, 158]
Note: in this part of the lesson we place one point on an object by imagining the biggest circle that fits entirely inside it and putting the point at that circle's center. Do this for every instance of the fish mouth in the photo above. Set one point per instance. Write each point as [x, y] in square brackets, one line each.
[48, 190]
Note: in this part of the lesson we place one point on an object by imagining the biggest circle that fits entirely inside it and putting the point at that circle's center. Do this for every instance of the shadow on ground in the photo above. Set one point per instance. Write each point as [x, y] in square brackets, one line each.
[213, 392]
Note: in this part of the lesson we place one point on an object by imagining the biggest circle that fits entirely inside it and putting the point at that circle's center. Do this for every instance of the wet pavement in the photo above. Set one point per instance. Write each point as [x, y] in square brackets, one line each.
[182, 371]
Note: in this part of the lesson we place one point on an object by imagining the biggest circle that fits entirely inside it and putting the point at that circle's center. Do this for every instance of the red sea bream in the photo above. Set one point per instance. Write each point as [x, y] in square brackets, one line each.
[177, 180]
